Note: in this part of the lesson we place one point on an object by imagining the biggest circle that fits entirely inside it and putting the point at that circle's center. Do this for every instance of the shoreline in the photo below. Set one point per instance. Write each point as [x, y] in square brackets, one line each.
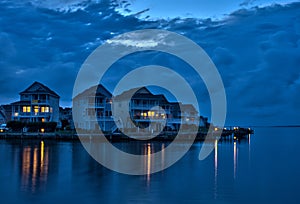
[118, 137]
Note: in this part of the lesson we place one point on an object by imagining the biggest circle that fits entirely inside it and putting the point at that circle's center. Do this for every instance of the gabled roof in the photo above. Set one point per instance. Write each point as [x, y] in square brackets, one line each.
[38, 87]
[2, 114]
[189, 107]
[98, 89]
[21, 103]
[139, 92]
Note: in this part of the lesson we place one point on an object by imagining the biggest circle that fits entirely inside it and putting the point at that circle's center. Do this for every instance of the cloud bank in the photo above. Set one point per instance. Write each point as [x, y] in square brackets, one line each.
[257, 52]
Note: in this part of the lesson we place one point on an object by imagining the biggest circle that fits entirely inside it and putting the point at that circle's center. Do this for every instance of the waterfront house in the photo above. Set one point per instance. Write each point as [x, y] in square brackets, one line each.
[95, 110]
[143, 107]
[38, 103]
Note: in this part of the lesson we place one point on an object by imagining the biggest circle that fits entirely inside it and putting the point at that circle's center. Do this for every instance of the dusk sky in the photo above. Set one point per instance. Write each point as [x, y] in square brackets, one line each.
[254, 44]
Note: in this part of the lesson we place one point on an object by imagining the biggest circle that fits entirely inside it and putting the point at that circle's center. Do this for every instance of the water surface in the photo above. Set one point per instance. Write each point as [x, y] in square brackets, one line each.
[262, 168]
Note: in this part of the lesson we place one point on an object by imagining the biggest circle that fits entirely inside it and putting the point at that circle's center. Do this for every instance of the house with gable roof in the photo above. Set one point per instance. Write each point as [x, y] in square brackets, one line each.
[38, 103]
[95, 111]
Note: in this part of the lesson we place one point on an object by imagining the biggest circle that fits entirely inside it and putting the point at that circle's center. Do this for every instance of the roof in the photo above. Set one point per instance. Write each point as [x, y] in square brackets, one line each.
[140, 93]
[98, 89]
[21, 103]
[38, 87]
[2, 114]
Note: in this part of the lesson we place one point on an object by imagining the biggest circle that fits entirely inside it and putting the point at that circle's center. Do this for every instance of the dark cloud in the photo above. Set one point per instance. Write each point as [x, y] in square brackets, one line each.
[257, 52]
[247, 2]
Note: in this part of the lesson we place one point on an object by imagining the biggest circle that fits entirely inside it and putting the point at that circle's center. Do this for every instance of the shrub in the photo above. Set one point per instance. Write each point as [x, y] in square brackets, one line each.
[15, 125]
[37, 126]
[32, 126]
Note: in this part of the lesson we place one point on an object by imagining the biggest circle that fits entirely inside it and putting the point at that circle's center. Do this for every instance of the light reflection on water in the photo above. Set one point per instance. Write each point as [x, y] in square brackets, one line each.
[245, 171]
[216, 169]
[34, 167]
[235, 155]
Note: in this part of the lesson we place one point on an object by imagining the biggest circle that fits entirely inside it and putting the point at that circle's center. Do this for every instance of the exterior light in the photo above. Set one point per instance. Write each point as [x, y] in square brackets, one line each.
[42, 130]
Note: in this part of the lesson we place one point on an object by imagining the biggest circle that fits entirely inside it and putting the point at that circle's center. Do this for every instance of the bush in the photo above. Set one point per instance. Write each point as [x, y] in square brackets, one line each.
[15, 125]
[32, 126]
[37, 126]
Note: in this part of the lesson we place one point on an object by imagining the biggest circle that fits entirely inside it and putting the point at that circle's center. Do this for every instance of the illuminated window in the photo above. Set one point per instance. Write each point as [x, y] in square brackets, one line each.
[151, 113]
[16, 114]
[45, 109]
[36, 109]
[26, 109]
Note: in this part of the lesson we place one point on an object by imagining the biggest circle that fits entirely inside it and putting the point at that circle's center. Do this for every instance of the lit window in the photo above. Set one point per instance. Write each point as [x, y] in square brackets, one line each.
[16, 114]
[45, 109]
[26, 109]
[36, 109]
[151, 113]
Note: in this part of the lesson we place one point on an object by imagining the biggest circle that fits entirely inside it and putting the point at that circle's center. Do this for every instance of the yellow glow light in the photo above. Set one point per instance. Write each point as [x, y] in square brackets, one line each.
[26, 109]
[151, 113]
[42, 152]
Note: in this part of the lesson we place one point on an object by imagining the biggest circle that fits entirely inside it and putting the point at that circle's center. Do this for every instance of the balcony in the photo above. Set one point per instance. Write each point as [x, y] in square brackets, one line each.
[40, 101]
[96, 105]
[31, 114]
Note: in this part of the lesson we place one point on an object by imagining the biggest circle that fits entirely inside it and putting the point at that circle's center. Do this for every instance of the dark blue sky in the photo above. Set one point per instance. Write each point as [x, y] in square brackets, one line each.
[256, 49]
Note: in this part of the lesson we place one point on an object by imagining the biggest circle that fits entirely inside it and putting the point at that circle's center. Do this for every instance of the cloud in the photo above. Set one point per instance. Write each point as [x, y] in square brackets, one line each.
[247, 2]
[257, 52]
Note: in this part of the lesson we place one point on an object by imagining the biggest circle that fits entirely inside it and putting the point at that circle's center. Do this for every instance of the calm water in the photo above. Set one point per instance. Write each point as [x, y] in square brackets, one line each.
[265, 168]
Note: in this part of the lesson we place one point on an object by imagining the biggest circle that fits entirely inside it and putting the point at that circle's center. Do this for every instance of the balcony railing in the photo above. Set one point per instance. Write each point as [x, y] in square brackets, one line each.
[40, 101]
[32, 114]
